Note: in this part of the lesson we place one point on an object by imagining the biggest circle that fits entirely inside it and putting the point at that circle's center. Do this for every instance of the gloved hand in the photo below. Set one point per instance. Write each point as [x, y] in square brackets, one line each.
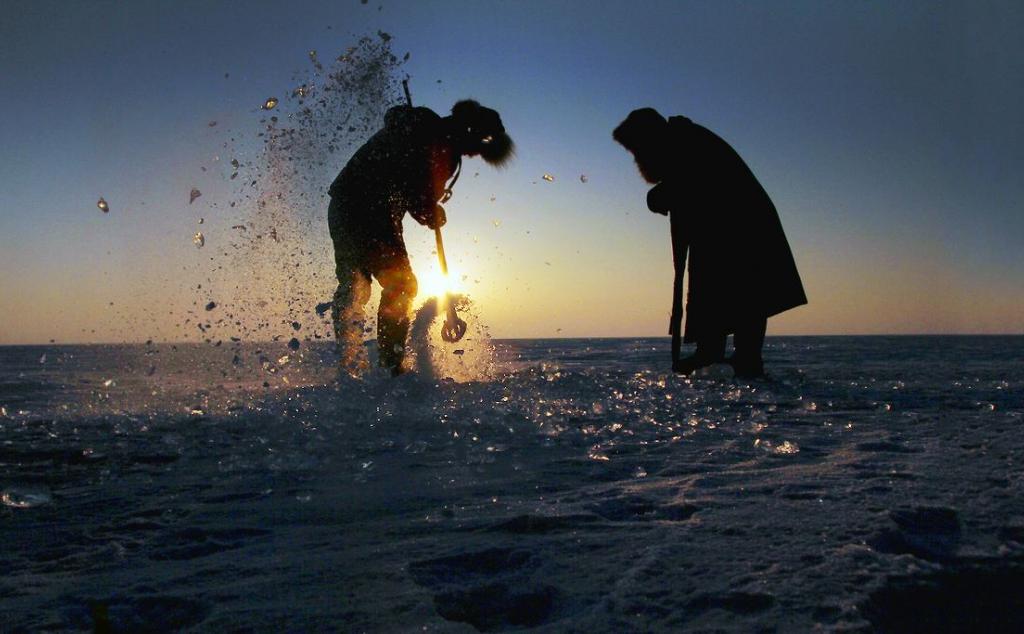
[439, 218]
[660, 199]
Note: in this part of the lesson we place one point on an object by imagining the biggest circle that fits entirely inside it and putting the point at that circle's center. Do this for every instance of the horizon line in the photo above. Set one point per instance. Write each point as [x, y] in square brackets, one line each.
[495, 339]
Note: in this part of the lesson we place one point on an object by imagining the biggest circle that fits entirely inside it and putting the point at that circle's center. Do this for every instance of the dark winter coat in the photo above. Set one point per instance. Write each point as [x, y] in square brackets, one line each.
[740, 264]
[402, 168]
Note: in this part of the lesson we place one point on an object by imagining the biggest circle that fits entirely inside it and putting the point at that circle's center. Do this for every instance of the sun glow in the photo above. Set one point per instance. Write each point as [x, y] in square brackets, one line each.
[433, 283]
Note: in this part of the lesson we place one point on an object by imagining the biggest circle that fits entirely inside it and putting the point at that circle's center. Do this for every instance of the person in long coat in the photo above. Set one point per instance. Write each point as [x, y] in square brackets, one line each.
[741, 269]
[403, 168]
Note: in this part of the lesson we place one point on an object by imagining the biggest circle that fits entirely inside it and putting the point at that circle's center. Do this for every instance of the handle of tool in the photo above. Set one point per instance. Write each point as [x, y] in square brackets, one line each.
[437, 231]
[679, 249]
[440, 251]
[405, 87]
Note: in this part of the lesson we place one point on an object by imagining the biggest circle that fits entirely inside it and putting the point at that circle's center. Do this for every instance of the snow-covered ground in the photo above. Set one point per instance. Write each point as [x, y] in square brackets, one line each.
[867, 484]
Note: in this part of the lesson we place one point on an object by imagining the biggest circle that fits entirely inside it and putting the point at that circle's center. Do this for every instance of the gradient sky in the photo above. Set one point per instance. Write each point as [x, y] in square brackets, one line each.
[889, 135]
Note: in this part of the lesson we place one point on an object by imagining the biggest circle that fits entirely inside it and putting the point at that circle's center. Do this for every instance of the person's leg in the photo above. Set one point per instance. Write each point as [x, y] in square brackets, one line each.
[348, 312]
[710, 349]
[749, 341]
[398, 289]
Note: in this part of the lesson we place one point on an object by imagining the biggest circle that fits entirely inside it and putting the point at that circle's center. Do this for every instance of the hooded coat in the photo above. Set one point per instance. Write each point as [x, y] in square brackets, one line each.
[402, 168]
[740, 264]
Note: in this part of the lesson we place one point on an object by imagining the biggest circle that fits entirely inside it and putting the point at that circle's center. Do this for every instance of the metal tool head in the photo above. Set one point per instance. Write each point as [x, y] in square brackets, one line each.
[453, 329]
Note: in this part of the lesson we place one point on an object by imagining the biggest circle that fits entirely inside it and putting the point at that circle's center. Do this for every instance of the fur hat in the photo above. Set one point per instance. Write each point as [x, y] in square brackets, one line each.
[639, 128]
[482, 132]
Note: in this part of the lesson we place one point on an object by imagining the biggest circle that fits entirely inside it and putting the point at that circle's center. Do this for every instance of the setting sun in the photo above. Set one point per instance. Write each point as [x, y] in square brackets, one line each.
[434, 283]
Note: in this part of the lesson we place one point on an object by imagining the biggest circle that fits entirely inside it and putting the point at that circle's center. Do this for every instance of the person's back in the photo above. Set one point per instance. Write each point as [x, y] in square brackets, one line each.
[741, 246]
[404, 162]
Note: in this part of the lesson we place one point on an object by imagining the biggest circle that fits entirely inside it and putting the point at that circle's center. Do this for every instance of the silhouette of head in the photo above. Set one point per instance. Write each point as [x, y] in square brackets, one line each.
[644, 133]
[478, 131]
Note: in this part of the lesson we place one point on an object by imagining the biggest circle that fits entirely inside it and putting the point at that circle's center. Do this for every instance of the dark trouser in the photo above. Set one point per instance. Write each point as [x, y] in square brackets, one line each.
[748, 341]
[360, 255]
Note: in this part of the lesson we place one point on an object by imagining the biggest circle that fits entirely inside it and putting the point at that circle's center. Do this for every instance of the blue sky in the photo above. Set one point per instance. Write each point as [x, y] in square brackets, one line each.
[889, 135]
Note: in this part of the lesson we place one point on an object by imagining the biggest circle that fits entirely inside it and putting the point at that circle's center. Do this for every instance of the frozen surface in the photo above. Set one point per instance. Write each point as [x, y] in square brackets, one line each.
[869, 483]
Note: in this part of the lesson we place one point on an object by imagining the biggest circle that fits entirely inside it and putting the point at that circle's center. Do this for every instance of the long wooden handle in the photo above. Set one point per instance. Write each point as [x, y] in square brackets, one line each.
[679, 249]
[440, 251]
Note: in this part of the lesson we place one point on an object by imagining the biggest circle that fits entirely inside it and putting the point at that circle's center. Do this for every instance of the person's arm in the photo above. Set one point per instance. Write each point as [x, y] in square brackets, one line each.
[430, 218]
[661, 198]
[425, 187]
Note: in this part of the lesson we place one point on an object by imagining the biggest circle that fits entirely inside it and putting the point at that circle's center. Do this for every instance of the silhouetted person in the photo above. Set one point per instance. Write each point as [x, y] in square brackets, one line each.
[741, 268]
[402, 168]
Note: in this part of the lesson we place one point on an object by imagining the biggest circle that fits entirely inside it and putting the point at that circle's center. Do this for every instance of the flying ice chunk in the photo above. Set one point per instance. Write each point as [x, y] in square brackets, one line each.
[316, 62]
[235, 163]
[270, 103]
[549, 178]
[102, 204]
[198, 240]
[192, 195]
[346, 56]
[583, 178]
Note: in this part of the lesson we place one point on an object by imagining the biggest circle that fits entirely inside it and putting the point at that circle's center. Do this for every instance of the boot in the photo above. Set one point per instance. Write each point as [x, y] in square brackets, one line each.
[697, 360]
[391, 344]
